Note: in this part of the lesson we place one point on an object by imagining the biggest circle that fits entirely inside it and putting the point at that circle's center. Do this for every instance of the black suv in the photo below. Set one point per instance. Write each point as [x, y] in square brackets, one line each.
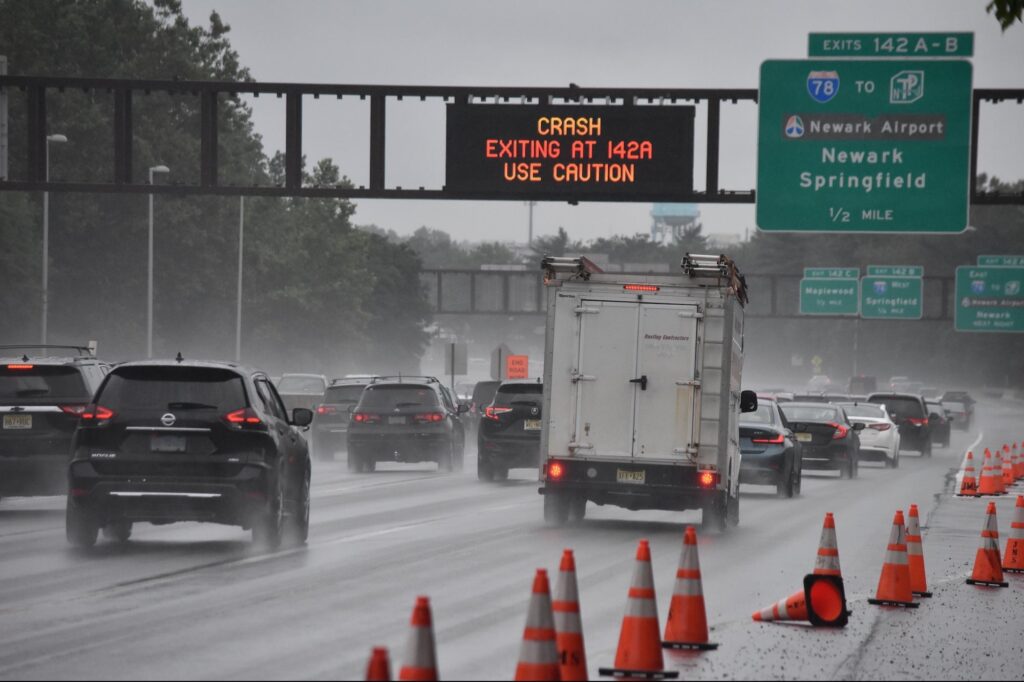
[333, 414]
[509, 435]
[406, 419]
[40, 401]
[188, 441]
[910, 413]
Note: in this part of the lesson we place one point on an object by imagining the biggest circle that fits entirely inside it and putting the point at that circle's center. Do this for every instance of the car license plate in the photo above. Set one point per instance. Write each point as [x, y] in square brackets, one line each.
[396, 420]
[17, 421]
[805, 437]
[637, 477]
[169, 444]
[531, 425]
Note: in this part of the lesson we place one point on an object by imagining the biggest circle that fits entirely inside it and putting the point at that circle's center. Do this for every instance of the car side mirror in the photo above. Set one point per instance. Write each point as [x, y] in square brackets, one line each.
[302, 417]
[859, 426]
[463, 408]
[748, 401]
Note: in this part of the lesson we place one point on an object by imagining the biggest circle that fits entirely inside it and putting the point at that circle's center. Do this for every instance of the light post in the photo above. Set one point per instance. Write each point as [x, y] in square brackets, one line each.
[59, 139]
[529, 234]
[238, 316]
[149, 307]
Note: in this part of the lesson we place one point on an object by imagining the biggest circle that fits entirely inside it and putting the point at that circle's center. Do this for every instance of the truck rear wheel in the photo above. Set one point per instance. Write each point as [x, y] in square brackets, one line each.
[715, 513]
[556, 508]
[577, 508]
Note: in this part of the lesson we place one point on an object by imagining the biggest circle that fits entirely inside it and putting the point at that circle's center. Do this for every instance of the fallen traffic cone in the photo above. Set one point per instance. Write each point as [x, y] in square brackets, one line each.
[538, 655]
[915, 556]
[1013, 557]
[379, 668]
[990, 480]
[1008, 467]
[822, 602]
[639, 652]
[894, 583]
[687, 625]
[572, 655]
[968, 482]
[420, 662]
[988, 569]
[827, 562]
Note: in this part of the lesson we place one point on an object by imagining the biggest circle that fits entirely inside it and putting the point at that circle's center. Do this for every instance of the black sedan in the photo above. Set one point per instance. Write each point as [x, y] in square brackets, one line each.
[771, 454]
[828, 439]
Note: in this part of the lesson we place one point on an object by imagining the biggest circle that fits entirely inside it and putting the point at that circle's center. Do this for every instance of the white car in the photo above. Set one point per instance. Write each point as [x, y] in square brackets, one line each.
[880, 439]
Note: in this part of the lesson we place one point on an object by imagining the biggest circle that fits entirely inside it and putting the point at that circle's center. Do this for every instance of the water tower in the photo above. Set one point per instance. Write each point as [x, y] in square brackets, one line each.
[669, 220]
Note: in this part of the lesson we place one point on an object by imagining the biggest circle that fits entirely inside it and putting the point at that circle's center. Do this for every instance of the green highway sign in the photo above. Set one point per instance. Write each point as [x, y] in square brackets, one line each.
[989, 299]
[1011, 261]
[895, 271]
[829, 296]
[831, 273]
[917, 45]
[864, 145]
[891, 298]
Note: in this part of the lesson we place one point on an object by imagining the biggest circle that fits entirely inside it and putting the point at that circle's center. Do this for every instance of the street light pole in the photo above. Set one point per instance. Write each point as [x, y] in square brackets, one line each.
[529, 235]
[238, 316]
[46, 234]
[149, 288]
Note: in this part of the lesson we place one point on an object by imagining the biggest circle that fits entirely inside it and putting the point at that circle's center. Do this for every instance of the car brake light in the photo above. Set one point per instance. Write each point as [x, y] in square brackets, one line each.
[364, 418]
[20, 366]
[326, 409]
[841, 431]
[879, 427]
[76, 410]
[641, 287]
[918, 422]
[97, 412]
[707, 479]
[429, 417]
[494, 412]
[777, 439]
[556, 471]
[242, 418]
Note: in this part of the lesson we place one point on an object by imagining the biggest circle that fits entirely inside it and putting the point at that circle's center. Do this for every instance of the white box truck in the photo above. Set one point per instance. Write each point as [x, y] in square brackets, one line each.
[642, 389]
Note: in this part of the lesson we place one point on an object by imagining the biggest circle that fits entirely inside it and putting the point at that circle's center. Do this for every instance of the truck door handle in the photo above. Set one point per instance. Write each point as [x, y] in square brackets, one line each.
[642, 381]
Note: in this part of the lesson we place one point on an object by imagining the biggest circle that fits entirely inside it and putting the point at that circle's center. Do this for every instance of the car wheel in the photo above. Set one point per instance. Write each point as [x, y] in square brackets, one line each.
[556, 508]
[714, 514]
[798, 482]
[484, 472]
[500, 473]
[844, 470]
[445, 460]
[577, 508]
[927, 451]
[119, 531]
[368, 465]
[854, 467]
[732, 511]
[354, 463]
[268, 529]
[299, 521]
[80, 527]
[784, 488]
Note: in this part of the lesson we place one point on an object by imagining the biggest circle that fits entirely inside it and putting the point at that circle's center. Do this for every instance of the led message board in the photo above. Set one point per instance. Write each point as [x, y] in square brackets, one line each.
[637, 153]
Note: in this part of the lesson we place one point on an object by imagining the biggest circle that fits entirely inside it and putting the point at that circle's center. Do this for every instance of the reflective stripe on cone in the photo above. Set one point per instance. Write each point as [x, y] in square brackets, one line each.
[894, 583]
[1013, 557]
[538, 655]
[572, 655]
[988, 571]
[827, 561]
[687, 624]
[968, 482]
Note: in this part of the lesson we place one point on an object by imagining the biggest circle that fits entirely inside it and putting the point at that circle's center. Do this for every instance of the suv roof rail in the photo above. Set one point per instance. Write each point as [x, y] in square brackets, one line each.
[83, 351]
[403, 377]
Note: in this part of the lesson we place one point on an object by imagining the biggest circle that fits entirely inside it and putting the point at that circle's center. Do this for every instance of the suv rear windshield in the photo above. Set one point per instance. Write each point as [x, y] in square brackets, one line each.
[483, 392]
[870, 410]
[396, 397]
[513, 393]
[337, 395]
[301, 385]
[905, 408]
[810, 413]
[173, 388]
[49, 382]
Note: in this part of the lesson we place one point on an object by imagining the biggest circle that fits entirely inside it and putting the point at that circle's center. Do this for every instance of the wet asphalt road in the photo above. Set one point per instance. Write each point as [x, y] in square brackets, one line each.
[192, 601]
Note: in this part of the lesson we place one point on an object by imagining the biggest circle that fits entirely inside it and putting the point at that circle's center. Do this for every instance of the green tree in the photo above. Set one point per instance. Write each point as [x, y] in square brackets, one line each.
[1007, 11]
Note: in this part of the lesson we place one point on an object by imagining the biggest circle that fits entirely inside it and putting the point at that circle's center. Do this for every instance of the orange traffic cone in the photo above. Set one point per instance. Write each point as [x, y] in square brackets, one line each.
[915, 556]
[1008, 467]
[538, 655]
[822, 602]
[379, 668]
[1019, 471]
[990, 480]
[827, 562]
[988, 569]
[1013, 467]
[572, 654]
[639, 652]
[420, 663]
[894, 583]
[1013, 557]
[997, 467]
[968, 482]
[687, 625]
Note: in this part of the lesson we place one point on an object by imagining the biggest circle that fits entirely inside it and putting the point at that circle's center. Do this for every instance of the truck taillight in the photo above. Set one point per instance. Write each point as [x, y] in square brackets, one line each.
[556, 470]
[641, 287]
[707, 479]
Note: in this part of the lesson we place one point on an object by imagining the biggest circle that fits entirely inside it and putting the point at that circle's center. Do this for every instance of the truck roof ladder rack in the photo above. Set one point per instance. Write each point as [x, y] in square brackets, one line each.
[575, 266]
[717, 267]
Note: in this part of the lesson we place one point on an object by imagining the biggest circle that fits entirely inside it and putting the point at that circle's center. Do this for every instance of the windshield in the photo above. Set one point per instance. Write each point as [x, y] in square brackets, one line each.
[904, 408]
[38, 381]
[386, 398]
[301, 385]
[173, 388]
[510, 394]
[763, 415]
[484, 392]
[337, 395]
[810, 413]
[867, 410]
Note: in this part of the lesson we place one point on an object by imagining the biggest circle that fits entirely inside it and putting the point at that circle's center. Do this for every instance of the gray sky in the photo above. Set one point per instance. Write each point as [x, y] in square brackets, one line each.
[664, 43]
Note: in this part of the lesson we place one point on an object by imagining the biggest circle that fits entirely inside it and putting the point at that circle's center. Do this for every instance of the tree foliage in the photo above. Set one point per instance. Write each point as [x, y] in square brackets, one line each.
[1007, 11]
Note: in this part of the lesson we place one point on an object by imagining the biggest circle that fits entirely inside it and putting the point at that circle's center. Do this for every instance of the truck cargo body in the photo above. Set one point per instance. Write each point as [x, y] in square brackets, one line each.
[642, 395]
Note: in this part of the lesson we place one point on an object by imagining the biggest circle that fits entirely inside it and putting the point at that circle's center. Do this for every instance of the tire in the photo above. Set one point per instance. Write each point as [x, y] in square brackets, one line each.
[268, 529]
[927, 451]
[896, 460]
[556, 508]
[368, 465]
[500, 473]
[845, 471]
[798, 483]
[446, 461]
[355, 464]
[714, 515]
[732, 511]
[854, 467]
[577, 509]
[80, 527]
[299, 521]
[119, 531]
[784, 488]
[460, 455]
[484, 472]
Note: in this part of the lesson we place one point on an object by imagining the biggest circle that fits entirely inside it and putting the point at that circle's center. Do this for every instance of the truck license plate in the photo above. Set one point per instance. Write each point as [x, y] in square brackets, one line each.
[17, 421]
[804, 437]
[637, 477]
[531, 425]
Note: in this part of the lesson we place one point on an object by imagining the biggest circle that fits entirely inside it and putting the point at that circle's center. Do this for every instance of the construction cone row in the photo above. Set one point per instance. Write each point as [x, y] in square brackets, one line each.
[420, 662]
[538, 655]
[1013, 557]
[915, 556]
[968, 480]
[988, 569]
[687, 625]
[572, 655]
[894, 583]
[639, 651]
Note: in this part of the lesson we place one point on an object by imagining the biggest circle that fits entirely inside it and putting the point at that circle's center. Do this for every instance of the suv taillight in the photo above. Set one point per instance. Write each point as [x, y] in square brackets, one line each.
[918, 422]
[841, 431]
[429, 417]
[97, 413]
[365, 418]
[246, 418]
[74, 410]
[492, 412]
